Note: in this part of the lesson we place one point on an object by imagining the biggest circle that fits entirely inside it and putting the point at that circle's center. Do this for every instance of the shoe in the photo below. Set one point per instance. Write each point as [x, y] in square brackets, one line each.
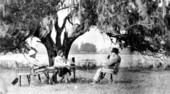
[15, 81]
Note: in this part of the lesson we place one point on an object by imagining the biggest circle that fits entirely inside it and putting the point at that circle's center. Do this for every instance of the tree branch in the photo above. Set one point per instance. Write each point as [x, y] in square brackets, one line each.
[142, 9]
[63, 8]
[56, 23]
[64, 23]
[164, 8]
[70, 15]
[80, 30]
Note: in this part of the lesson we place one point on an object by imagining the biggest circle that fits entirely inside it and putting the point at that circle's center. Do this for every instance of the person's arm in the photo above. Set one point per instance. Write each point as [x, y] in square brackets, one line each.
[112, 60]
[59, 61]
[55, 60]
[108, 56]
[64, 60]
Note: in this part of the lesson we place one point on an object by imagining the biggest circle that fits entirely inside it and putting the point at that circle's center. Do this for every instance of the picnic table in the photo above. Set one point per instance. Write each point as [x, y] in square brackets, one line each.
[46, 70]
[56, 69]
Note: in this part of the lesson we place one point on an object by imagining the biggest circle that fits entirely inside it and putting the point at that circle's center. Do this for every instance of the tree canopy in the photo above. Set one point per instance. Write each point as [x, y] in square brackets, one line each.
[141, 25]
[20, 19]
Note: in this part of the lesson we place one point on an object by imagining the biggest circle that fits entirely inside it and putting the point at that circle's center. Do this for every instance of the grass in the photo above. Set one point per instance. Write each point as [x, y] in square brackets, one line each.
[139, 79]
[126, 82]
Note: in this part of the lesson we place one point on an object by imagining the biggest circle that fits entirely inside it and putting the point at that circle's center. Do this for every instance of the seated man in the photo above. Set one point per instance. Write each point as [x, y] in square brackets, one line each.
[31, 61]
[111, 66]
[34, 62]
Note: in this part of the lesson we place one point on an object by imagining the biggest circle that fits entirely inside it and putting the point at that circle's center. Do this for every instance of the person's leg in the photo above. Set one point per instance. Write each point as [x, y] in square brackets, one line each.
[108, 71]
[67, 78]
[54, 77]
[96, 77]
[68, 74]
[100, 74]
[111, 77]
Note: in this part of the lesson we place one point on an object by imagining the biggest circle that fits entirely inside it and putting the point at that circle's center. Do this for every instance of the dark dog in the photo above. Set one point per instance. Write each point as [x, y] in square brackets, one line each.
[62, 72]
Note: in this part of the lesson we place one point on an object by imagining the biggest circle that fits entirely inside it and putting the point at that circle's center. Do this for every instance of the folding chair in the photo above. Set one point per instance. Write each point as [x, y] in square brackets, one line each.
[26, 70]
[111, 73]
[23, 70]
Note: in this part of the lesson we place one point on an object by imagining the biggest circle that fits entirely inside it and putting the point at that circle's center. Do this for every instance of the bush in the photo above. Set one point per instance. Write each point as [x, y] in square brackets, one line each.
[6, 64]
[87, 64]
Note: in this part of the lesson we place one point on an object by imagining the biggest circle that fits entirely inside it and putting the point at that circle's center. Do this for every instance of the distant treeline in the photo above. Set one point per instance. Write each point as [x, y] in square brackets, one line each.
[84, 48]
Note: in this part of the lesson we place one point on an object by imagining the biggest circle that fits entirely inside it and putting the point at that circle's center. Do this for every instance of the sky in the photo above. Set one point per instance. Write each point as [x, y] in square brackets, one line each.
[95, 37]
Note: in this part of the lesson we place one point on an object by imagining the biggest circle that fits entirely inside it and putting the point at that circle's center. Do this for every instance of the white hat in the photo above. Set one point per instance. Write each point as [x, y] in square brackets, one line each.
[31, 52]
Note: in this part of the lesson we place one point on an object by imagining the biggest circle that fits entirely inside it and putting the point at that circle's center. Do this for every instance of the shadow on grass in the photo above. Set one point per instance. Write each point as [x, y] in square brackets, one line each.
[103, 81]
[124, 81]
[81, 80]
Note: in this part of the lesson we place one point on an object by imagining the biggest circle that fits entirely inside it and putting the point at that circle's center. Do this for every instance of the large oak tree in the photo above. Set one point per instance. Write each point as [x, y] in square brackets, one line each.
[21, 19]
[141, 25]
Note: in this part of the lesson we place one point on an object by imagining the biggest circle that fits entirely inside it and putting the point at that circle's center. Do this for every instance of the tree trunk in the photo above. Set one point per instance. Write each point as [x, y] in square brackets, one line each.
[66, 45]
[48, 43]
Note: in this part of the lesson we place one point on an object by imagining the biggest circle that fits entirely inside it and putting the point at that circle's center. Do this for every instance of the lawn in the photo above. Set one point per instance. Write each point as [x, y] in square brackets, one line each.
[126, 82]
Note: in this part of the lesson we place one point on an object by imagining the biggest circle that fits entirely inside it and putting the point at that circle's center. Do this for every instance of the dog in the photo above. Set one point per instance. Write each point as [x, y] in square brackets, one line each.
[64, 73]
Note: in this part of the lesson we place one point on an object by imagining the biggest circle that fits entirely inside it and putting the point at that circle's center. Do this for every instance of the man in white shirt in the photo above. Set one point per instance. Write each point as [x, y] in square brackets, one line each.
[111, 66]
[30, 61]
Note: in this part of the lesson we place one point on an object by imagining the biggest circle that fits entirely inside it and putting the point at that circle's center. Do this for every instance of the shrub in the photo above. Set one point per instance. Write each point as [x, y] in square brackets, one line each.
[87, 64]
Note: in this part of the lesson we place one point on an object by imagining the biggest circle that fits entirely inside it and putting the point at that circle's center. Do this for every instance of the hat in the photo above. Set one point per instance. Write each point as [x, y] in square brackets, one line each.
[31, 52]
[116, 50]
